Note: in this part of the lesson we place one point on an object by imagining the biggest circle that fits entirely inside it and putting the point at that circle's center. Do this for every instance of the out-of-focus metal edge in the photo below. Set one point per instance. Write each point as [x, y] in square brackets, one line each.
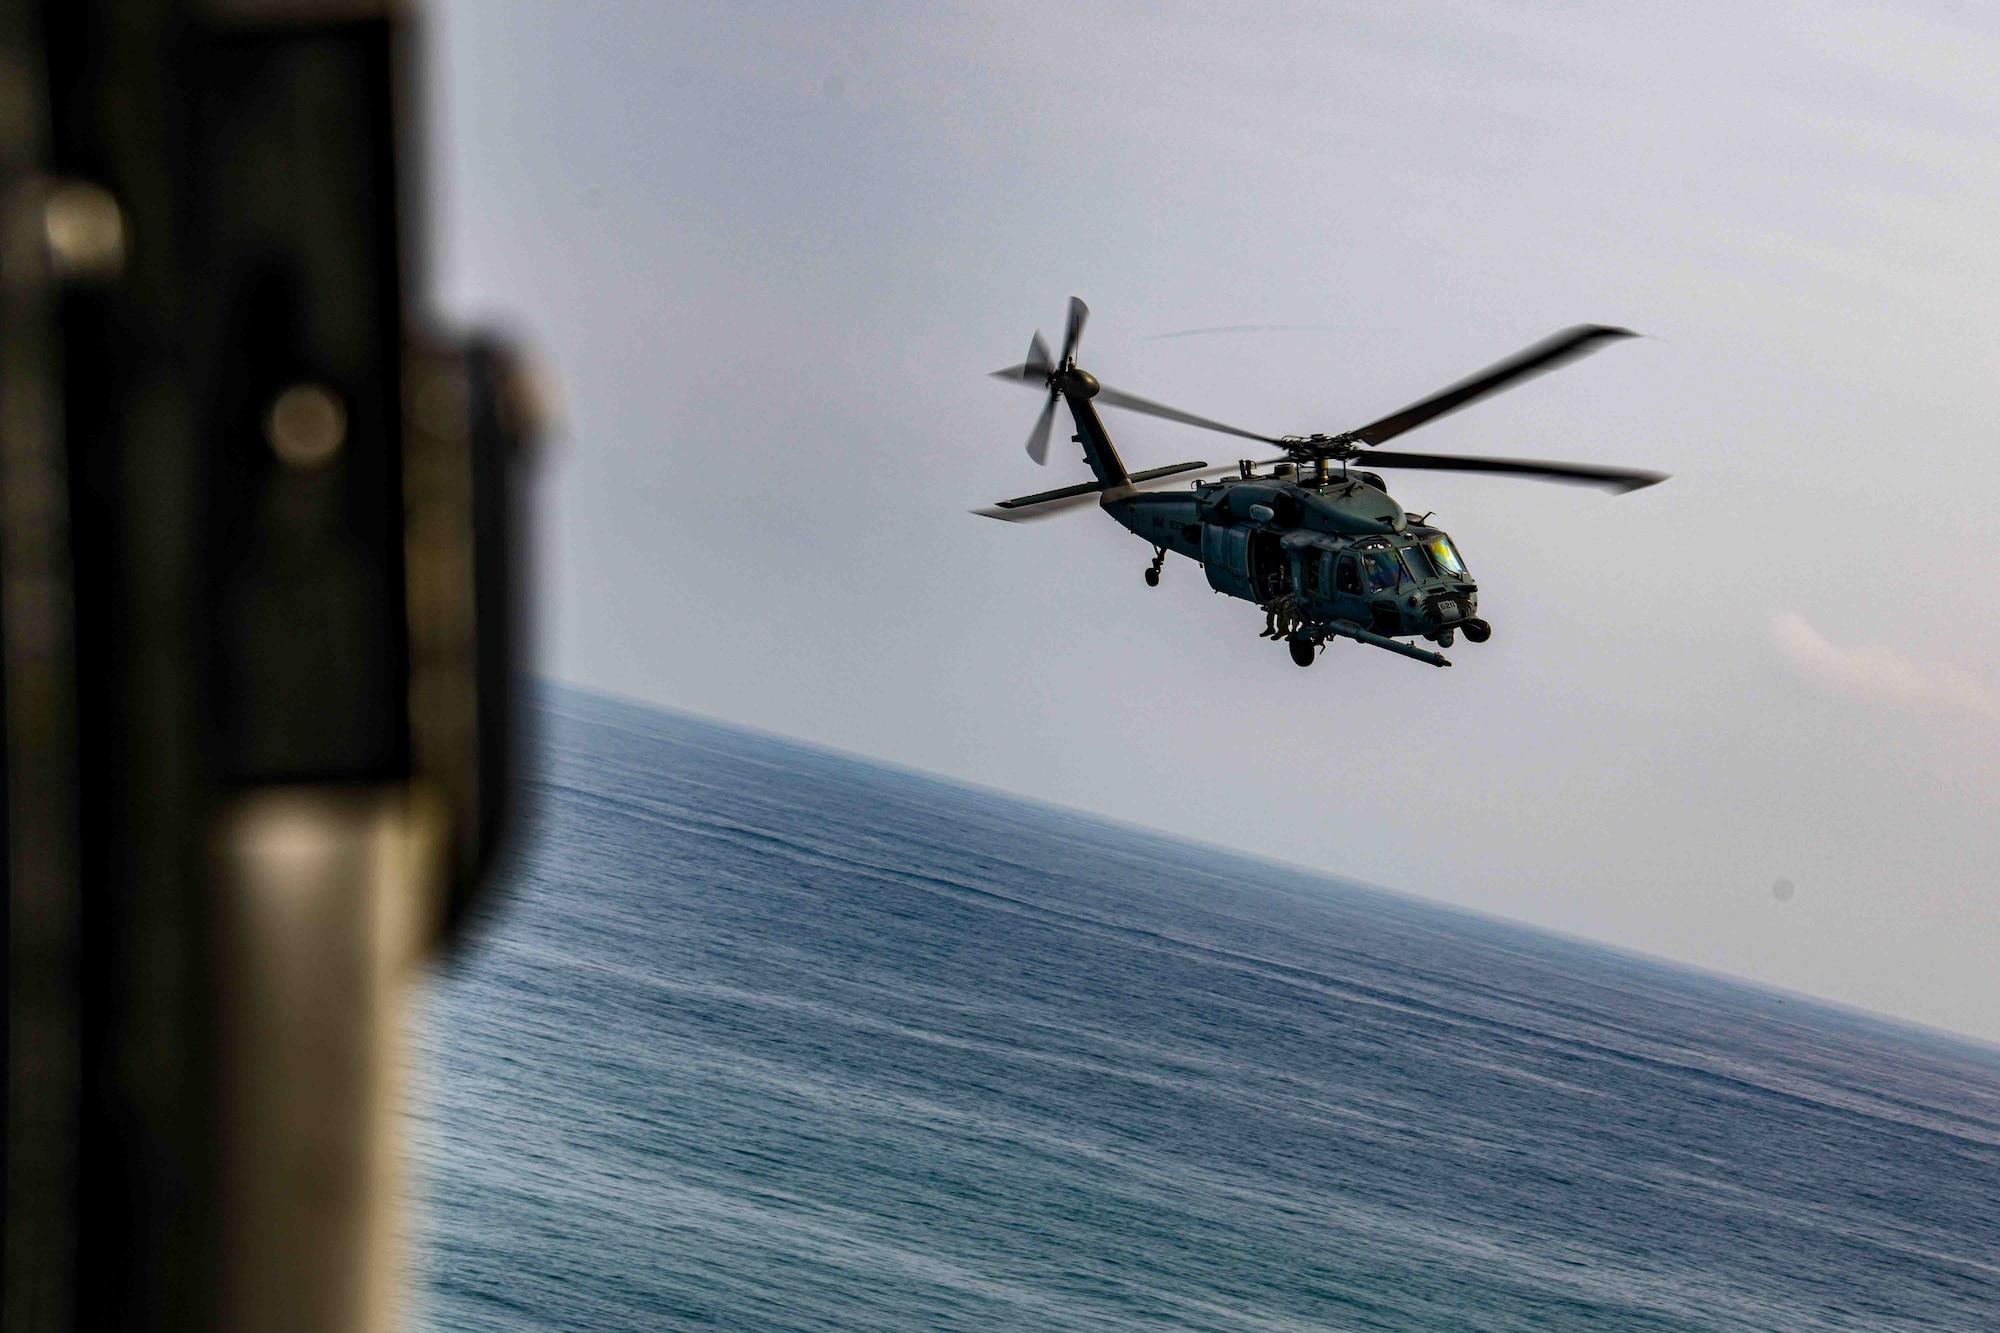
[37, 649]
[329, 900]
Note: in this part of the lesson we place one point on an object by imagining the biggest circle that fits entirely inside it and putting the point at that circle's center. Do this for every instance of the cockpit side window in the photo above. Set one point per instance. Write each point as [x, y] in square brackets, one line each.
[1385, 571]
[1348, 577]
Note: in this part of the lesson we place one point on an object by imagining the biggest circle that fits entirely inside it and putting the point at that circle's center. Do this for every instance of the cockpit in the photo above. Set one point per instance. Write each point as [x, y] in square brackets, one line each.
[1373, 567]
[1386, 568]
[1384, 571]
[1435, 557]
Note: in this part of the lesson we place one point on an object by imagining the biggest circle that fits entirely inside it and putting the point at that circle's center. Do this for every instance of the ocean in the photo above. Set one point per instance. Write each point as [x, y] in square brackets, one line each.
[764, 1037]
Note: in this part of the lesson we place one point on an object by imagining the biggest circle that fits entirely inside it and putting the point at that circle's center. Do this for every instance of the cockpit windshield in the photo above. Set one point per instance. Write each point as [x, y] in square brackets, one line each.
[1444, 555]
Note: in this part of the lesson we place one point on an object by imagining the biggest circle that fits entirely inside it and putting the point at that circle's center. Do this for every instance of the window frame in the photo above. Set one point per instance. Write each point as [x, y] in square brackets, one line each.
[1349, 566]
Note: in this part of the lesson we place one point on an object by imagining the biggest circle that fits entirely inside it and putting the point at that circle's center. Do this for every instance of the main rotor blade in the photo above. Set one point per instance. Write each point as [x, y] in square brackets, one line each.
[1078, 313]
[1134, 403]
[1230, 469]
[1260, 328]
[1619, 479]
[1558, 350]
[1049, 504]
[1038, 439]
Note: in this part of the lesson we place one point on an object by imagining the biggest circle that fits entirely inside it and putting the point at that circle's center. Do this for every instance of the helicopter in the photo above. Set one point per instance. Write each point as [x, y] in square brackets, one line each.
[1327, 556]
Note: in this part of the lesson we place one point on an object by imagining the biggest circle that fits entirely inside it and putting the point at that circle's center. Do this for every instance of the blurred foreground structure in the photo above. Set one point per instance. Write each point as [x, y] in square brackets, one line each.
[255, 637]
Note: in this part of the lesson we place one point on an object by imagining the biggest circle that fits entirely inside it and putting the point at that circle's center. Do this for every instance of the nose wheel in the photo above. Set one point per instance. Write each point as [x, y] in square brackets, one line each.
[1153, 570]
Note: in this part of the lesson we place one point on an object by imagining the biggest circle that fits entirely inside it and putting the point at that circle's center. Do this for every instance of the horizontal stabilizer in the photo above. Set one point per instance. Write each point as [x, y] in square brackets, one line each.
[1049, 503]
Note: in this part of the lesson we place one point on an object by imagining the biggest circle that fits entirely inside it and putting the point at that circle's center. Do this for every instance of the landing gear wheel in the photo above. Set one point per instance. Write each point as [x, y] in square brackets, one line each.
[1152, 578]
[1303, 651]
[1153, 570]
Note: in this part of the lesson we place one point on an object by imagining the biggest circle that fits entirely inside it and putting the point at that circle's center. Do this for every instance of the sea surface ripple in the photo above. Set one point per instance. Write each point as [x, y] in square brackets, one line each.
[763, 1037]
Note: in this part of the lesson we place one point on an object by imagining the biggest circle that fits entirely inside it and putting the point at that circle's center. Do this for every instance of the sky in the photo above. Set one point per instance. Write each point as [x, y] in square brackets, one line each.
[769, 252]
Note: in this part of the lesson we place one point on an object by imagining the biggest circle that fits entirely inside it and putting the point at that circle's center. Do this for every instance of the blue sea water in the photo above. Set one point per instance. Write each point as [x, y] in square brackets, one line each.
[764, 1037]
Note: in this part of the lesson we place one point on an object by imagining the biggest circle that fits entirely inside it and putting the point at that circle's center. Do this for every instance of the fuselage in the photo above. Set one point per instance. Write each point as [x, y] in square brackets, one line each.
[1341, 550]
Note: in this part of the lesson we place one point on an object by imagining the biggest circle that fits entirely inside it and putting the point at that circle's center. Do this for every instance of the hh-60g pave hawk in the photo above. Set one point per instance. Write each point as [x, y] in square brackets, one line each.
[1325, 556]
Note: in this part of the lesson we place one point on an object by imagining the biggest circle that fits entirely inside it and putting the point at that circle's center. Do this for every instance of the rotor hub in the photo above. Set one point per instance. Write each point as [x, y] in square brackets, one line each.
[1307, 448]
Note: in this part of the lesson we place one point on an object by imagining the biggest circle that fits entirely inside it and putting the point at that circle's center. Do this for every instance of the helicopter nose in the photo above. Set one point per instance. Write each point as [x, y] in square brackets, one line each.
[1082, 382]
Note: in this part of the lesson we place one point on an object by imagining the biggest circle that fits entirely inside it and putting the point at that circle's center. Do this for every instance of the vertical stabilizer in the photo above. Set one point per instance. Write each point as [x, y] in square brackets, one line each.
[1098, 452]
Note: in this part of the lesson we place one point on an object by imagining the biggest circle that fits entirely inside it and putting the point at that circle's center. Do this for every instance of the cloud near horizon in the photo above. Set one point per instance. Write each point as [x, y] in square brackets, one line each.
[1881, 673]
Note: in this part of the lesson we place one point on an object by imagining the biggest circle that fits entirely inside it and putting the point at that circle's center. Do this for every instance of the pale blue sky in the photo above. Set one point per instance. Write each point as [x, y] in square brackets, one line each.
[772, 249]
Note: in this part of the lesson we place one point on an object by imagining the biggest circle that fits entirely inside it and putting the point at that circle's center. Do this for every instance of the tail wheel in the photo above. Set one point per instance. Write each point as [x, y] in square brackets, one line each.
[1152, 578]
[1303, 651]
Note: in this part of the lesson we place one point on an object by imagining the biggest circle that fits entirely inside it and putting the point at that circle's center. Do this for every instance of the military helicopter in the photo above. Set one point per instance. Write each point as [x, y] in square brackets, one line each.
[1326, 556]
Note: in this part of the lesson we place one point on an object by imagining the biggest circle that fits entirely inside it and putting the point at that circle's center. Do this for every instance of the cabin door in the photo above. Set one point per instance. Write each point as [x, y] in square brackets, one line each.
[1270, 571]
[1348, 599]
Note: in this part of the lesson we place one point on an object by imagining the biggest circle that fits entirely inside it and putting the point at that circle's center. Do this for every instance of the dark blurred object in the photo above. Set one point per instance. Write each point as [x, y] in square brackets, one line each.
[256, 631]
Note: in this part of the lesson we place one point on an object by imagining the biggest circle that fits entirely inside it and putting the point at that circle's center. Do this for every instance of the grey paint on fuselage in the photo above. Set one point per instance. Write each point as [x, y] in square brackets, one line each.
[1299, 549]
[1260, 538]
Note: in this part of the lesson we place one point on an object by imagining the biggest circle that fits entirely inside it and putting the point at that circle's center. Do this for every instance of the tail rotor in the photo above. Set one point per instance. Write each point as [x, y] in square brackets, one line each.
[1038, 439]
[1073, 333]
[1039, 369]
